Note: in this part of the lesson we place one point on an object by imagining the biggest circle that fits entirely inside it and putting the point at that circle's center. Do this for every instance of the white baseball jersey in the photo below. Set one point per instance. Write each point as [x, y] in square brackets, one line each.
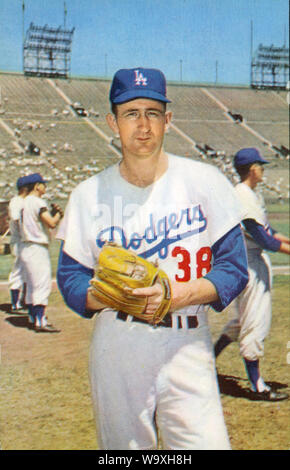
[32, 229]
[175, 221]
[14, 210]
[254, 207]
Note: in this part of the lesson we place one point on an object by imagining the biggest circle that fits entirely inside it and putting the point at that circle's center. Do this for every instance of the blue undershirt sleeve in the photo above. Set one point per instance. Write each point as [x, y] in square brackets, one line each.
[265, 240]
[73, 281]
[229, 272]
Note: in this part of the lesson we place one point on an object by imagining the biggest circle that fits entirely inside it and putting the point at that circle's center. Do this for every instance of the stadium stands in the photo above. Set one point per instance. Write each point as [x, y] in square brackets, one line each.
[254, 105]
[59, 127]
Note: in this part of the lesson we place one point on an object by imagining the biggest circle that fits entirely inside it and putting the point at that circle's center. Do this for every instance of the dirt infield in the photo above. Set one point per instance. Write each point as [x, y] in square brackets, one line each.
[45, 398]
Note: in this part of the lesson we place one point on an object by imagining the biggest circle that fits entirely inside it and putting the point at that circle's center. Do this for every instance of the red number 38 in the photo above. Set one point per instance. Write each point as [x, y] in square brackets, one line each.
[202, 262]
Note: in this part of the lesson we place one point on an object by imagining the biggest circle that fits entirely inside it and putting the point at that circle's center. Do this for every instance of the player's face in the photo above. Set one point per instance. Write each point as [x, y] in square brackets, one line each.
[141, 124]
[41, 188]
[258, 172]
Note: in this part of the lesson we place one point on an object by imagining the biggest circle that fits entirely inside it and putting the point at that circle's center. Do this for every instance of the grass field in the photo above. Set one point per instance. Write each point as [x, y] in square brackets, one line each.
[45, 399]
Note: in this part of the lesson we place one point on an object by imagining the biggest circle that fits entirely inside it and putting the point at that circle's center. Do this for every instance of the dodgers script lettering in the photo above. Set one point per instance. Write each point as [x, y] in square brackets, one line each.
[158, 234]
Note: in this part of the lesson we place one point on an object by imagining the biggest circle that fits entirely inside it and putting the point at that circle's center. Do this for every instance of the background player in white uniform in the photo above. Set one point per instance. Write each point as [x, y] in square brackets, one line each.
[16, 276]
[181, 213]
[252, 320]
[35, 224]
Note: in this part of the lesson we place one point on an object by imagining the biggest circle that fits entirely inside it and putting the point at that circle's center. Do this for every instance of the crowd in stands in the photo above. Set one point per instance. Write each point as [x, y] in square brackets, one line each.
[25, 153]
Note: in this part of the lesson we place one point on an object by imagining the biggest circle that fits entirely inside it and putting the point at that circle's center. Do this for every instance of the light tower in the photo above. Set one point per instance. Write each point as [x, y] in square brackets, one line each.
[46, 51]
[270, 67]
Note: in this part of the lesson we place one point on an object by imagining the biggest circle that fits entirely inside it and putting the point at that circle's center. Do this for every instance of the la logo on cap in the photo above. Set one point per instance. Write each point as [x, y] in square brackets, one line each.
[138, 82]
[140, 79]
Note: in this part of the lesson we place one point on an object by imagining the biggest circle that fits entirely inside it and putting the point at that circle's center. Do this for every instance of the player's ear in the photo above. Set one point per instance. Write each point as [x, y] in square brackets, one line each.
[112, 122]
[168, 117]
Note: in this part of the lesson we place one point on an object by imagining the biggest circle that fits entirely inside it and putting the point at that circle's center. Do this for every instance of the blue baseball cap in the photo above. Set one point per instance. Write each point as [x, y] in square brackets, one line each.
[20, 182]
[248, 155]
[33, 178]
[129, 84]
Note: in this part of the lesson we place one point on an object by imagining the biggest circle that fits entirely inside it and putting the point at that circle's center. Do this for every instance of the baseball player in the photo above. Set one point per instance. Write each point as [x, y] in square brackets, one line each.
[36, 222]
[16, 276]
[150, 381]
[252, 319]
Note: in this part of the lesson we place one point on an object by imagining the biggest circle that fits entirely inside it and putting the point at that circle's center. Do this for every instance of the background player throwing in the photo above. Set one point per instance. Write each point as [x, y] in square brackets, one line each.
[253, 313]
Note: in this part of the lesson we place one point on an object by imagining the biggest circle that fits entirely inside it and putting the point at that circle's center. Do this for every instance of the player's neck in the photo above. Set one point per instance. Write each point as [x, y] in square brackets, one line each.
[143, 172]
[250, 182]
[35, 192]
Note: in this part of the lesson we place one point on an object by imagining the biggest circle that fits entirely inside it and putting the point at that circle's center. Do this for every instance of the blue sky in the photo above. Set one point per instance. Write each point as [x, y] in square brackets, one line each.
[184, 38]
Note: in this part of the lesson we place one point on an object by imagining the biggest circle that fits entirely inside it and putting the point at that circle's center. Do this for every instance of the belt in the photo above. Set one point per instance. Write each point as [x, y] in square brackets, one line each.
[186, 322]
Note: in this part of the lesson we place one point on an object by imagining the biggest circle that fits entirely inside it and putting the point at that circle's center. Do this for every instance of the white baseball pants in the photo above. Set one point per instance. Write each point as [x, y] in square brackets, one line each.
[253, 311]
[154, 382]
[36, 261]
[16, 277]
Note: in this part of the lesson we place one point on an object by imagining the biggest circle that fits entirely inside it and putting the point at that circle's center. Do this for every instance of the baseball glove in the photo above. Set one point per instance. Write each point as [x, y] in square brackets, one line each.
[118, 272]
[56, 208]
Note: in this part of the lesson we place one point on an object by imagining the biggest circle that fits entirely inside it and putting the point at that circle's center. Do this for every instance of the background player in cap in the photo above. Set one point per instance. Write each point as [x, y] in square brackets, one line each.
[252, 319]
[16, 276]
[36, 222]
[150, 381]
